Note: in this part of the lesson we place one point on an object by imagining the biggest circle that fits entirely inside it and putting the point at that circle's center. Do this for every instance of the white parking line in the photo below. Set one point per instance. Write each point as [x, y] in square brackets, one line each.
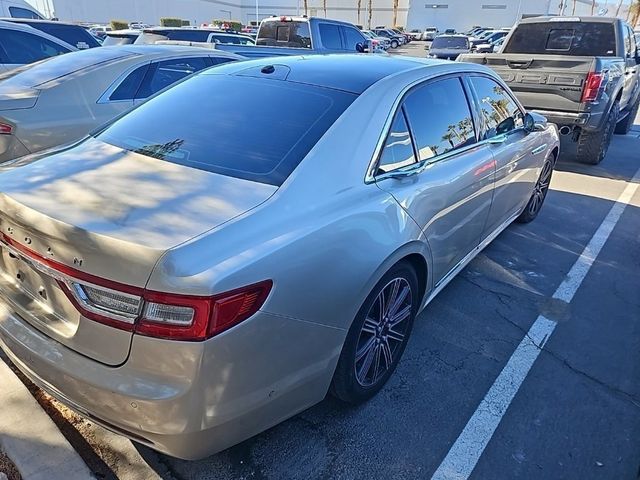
[467, 449]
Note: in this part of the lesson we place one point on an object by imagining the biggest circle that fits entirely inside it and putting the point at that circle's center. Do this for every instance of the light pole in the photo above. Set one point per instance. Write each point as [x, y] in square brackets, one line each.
[257, 14]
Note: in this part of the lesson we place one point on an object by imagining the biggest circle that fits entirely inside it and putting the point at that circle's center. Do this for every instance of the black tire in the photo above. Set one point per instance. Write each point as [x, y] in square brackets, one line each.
[593, 146]
[534, 205]
[374, 343]
[624, 125]
[394, 44]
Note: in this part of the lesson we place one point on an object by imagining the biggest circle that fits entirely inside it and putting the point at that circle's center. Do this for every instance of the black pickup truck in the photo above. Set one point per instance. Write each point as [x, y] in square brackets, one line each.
[582, 73]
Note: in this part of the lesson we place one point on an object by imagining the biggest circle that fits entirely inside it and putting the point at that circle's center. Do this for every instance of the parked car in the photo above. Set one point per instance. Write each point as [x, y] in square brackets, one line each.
[429, 33]
[280, 36]
[18, 9]
[415, 34]
[183, 256]
[231, 38]
[139, 25]
[120, 37]
[487, 38]
[394, 39]
[450, 31]
[580, 72]
[378, 43]
[448, 47]
[497, 45]
[22, 44]
[406, 36]
[69, 33]
[100, 31]
[61, 100]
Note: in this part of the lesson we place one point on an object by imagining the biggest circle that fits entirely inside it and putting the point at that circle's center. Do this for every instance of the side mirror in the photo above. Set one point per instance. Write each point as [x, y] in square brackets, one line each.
[534, 122]
[360, 47]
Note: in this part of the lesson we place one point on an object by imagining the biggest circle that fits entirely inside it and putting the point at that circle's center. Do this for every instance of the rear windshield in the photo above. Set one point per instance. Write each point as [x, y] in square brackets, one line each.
[123, 39]
[44, 71]
[450, 42]
[72, 34]
[565, 38]
[232, 39]
[284, 34]
[223, 133]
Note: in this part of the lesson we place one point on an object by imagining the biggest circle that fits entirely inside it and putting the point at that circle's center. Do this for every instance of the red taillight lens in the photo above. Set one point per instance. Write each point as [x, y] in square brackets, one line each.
[6, 129]
[592, 87]
[150, 313]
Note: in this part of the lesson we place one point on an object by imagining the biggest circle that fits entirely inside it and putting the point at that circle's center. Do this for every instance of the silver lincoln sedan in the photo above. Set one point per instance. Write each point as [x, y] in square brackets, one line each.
[225, 254]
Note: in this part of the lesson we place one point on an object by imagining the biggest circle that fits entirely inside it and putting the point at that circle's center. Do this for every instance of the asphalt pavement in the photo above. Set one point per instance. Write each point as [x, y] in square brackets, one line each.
[576, 413]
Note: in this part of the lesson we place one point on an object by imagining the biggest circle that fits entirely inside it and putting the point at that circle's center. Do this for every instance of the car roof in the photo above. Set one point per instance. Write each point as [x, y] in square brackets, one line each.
[555, 18]
[454, 35]
[37, 20]
[352, 73]
[160, 49]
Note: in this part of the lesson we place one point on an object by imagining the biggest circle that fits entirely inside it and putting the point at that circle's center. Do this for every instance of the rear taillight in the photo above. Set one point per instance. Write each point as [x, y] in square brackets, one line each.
[6, 129]
[592, 87]
[145, 312]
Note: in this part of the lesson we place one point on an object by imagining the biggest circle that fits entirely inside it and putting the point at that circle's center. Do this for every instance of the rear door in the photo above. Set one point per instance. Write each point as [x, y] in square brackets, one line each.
[449, 177]
[330, 37]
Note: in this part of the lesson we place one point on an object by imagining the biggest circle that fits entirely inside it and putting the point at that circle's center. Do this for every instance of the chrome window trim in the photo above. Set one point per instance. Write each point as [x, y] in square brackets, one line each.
[370, 176]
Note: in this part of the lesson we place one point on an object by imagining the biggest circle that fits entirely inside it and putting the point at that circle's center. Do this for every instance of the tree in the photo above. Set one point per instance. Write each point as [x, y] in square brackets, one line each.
[395, 12]
[306, 7]
[619, 7]
[370, 14]
[634, 10]
[324, 7]
[593, 7]
[359, 8]
[573, 8]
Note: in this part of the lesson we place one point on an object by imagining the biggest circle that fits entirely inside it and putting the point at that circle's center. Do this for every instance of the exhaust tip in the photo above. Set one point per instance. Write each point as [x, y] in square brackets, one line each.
[565, 130]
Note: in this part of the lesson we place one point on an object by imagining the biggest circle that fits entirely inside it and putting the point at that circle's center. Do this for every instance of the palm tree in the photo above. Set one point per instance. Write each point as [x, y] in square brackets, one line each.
[573, 8]
[593, 6]
[324, 7]
[370, 14]
[359, 8]
[619, 7]
[634, 9]
[395, 13]
[306, 7]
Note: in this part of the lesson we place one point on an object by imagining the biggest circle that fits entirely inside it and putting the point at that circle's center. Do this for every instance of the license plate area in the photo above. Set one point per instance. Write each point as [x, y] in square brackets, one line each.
[35, 294]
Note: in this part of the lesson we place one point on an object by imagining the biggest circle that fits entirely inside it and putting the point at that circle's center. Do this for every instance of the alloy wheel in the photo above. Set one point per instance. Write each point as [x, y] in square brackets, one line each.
[542, 186]
[383, 332]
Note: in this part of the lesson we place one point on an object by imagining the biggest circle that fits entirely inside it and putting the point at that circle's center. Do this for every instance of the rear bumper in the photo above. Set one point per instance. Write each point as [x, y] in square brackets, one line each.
[187, 399]
[588, 121]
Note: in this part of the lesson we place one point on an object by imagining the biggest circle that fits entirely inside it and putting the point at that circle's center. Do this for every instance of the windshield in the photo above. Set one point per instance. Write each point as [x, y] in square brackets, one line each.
[119, 40]
[456, 43]
[593, 39]
[231, 139]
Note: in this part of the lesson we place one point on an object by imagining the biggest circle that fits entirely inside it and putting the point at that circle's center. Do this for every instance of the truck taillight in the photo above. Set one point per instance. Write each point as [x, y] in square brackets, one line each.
[592, 87]
[145, 312]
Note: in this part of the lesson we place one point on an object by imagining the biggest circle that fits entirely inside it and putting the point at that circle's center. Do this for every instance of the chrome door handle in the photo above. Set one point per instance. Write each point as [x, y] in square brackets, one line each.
[539, 149]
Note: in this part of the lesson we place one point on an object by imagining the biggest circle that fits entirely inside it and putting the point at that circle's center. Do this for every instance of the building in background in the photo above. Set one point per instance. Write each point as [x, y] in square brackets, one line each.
[457, 14]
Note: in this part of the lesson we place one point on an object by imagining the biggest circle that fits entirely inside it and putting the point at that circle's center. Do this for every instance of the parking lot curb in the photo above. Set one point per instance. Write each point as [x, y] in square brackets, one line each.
[31, 439]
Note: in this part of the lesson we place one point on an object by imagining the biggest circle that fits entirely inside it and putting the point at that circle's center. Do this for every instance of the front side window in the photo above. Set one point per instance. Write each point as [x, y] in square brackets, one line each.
[22, 47]
[209, 122]
[129, 86]
[352, 37]
[398, 149]
[500, 113]
[330, 35]
[440, 118]
[168, 72]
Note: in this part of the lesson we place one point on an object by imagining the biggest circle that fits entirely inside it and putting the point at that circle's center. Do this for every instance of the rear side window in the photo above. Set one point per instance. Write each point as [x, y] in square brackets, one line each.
[22, 47]
[219, 130]
[398, 149]
[168, 72]
[500, 112]
[72, 34]
[285, 34]
[19, 12]
[186, 35]
[330, 35]
[440, 118]
[565, 38]
[129, 86]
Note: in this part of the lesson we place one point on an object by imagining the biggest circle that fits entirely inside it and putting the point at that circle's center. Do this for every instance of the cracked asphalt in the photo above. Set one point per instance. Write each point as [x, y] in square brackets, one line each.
[577, 414]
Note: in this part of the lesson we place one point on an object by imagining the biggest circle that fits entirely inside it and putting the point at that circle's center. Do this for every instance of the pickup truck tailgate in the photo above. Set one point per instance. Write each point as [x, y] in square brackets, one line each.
[545, 82]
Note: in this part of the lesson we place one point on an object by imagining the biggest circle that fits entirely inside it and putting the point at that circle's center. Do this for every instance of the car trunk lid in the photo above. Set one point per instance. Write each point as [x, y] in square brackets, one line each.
[99, 212]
